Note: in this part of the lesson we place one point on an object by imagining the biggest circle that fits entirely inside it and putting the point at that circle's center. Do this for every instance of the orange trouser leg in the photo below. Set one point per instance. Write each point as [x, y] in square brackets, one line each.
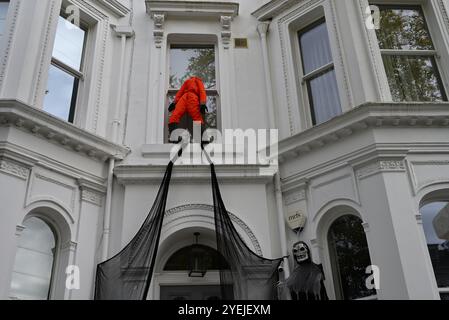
[179, 111]
[195, 112]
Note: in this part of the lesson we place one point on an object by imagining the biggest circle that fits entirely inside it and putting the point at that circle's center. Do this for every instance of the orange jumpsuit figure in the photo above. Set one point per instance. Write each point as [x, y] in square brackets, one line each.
[191, 99]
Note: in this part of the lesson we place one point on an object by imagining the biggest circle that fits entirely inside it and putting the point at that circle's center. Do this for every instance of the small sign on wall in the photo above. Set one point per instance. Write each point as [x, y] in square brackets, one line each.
[296, 220]
[241, 43]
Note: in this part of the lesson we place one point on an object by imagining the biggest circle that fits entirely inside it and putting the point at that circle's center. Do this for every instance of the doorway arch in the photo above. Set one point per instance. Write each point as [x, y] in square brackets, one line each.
[180, 224]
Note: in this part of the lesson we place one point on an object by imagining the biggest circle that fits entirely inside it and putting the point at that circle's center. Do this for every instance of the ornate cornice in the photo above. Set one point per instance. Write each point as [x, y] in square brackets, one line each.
[143, 174]
[367, 116]
[192, 8]
[46, 126]
[272, 8]
[114, 6]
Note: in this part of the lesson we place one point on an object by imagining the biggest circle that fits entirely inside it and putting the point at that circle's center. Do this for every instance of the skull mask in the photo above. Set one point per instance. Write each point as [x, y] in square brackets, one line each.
[301, 252]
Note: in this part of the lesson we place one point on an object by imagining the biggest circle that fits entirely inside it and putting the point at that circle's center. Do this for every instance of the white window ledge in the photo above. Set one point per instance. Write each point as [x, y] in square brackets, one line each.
[192, 8]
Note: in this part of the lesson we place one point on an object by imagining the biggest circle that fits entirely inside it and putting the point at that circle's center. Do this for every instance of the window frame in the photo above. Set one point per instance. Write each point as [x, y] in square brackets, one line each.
[433, 54]
[6, 17]
[78, 75]
[433, 197]
[304, 78]
[169, 92]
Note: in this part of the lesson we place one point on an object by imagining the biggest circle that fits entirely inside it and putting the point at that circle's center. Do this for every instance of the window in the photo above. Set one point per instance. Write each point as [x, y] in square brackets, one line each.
[438, 247]
[409, 55]
[198, 60]
[350, 258]
[66, 70]
[4, 5]
[319, 73]
[33, 267]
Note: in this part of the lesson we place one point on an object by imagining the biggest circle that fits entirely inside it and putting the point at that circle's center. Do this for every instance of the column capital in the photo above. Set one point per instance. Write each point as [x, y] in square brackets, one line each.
[262, 28]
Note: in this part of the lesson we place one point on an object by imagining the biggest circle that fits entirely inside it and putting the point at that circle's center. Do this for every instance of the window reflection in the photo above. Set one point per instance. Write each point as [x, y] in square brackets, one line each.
[65, 71]
[438, 248]
[319, 73]
[69, 43]
[4, 5]
[32, 273]
[412, 75]
[187, 61]
[350, 257]
[199, 60]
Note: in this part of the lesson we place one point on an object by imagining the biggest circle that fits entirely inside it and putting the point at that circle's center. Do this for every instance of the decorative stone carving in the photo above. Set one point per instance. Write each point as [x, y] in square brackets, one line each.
[92, 197]
[14, 169]
[158, 33]
[226, 30]
[380, 166]
[233, 217]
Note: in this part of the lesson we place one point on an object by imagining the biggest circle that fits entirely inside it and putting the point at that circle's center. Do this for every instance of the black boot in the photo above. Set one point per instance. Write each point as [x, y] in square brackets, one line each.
[205, 142]
[172, 127]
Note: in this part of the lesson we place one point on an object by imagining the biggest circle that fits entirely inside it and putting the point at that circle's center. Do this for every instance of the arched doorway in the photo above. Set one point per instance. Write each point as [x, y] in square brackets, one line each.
[349, 253]
[189, 267]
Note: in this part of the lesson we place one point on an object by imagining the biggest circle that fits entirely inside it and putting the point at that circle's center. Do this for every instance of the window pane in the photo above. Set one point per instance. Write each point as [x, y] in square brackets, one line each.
[188, 62]
[438, 248]
[69, 44]
[403, 28]
[315, 48]
[413, 78]
[61, 88]
[324, 97]
[34, 262]
[3, 12]
[349, 250]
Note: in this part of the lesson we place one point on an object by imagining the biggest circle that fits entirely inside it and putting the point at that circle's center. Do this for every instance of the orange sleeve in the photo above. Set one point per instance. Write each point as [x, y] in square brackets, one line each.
[203, 95]
[181, 92]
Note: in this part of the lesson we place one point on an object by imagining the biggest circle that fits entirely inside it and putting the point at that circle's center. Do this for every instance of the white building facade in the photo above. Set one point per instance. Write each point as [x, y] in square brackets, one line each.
[360, 105]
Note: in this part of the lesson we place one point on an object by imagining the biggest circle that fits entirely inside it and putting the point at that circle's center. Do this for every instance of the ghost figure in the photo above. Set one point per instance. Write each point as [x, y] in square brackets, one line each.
[306, 281]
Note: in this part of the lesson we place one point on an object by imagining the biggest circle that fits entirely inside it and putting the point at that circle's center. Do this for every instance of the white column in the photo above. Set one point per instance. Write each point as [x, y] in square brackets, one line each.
[262, 29]
[394, 237]
[156, 109]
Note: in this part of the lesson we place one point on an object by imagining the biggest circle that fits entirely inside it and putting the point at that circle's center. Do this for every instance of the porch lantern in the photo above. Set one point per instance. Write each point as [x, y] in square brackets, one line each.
[198, 266]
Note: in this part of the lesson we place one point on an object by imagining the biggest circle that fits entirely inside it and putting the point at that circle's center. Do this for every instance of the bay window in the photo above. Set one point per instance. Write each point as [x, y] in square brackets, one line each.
[409, 55]
[318, 72]
[66, 70]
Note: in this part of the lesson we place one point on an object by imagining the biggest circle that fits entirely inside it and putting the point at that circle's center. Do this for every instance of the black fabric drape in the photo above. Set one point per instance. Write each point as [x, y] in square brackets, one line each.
[250, 277]
[127, 276]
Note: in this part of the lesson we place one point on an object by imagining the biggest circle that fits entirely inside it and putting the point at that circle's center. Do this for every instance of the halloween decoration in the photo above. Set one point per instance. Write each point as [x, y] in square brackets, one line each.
[191, 99]
[245, 275]
[306, 281]
[127, 275]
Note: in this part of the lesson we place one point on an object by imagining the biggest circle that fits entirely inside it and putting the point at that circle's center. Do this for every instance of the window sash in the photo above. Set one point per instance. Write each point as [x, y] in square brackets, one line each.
[67, 69]
[78, 75]
[318, 72]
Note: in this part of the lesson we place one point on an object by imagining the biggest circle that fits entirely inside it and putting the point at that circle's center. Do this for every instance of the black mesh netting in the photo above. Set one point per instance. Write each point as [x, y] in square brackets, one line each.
[250, 277]
[127, 276]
